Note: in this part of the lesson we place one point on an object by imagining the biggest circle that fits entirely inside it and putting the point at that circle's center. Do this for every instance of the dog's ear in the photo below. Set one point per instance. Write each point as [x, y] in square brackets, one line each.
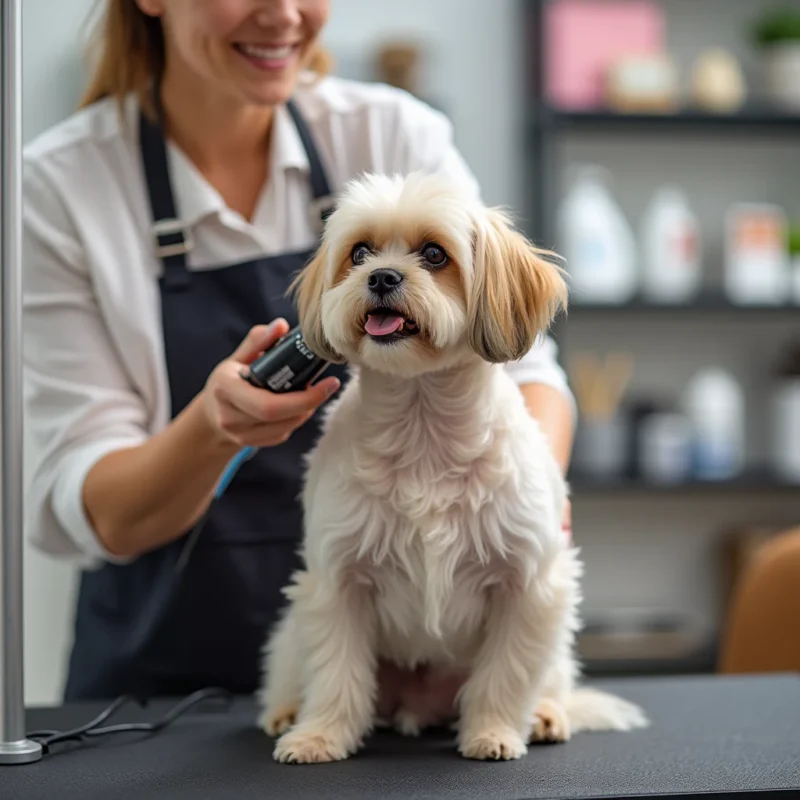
[307, 288]
[516, 292]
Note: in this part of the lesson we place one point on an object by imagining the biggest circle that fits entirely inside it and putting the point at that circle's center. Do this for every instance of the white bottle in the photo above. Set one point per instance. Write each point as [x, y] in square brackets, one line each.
[671, 248]
[756, 256]
[714, 405]
[597, 242]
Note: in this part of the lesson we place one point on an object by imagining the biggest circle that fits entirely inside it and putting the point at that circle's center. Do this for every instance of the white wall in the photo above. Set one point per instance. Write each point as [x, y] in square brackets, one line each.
[52, 78]
[473, 48]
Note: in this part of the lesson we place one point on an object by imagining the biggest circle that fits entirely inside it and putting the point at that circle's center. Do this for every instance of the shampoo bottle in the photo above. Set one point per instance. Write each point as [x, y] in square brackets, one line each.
[597, 242]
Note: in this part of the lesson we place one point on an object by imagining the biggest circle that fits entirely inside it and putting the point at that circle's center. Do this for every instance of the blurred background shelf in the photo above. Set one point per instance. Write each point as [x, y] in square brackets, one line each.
[752, 481]
[703, 662]
[709, 301]
[745, 121]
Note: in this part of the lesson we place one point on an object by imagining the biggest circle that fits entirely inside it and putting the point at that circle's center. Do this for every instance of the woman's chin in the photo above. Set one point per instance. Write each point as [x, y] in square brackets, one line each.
[270, 93]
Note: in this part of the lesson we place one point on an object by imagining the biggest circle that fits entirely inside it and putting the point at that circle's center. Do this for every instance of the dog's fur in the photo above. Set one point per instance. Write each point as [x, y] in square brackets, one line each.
[433, 502]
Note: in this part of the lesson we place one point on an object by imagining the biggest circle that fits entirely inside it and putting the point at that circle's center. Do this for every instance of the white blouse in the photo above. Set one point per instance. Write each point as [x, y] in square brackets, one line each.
[95, 374]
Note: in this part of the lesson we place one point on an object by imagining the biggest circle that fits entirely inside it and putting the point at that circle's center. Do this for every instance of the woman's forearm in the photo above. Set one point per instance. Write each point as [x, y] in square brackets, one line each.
[143, 497]
[554, 413]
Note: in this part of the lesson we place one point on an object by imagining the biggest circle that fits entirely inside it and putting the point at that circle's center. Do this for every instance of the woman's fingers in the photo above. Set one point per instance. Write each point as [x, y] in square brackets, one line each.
[259, 339]
[265, 406]
[269, 434]
[247, 415]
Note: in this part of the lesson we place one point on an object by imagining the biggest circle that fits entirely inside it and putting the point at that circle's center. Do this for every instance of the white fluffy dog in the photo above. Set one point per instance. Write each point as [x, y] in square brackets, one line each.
[433, 503]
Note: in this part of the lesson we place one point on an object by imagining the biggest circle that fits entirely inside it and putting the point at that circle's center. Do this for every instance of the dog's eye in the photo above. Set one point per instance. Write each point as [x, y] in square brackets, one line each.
[360, 253]
[434, 255]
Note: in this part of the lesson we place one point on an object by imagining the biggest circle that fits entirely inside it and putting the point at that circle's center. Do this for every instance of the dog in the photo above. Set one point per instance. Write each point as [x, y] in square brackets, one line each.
[432, 501]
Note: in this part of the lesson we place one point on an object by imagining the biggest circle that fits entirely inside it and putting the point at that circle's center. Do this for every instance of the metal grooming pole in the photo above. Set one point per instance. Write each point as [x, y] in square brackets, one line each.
[14, 747]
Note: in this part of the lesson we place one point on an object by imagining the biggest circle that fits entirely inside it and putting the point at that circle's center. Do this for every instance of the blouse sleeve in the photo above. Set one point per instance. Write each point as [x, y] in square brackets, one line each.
[78, 404]
[430, 147]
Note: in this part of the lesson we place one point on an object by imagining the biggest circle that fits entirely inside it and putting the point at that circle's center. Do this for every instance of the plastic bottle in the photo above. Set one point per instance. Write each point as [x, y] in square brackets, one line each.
[597, 242]
[714, 405]
[671, 248]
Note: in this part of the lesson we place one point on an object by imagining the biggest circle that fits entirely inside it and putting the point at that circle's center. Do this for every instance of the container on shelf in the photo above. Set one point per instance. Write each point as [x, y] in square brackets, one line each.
[665, 448]
[756, 257]
[714, 404]
[671, 248]
[597, 241]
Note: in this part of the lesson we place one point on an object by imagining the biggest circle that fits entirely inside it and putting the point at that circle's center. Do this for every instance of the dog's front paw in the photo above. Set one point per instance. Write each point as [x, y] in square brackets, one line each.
[309, 747]
[278, 720]
[493, 743]
[550, 723]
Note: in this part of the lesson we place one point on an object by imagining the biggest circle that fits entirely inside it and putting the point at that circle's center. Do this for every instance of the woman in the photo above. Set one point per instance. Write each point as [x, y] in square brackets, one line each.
[163, 223]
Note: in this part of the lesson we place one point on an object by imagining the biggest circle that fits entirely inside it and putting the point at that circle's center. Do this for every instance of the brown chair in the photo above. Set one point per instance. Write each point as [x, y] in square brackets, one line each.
[762, 629]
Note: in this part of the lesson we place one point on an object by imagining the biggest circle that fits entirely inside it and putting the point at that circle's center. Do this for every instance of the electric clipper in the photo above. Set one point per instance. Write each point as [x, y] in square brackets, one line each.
[288, 366]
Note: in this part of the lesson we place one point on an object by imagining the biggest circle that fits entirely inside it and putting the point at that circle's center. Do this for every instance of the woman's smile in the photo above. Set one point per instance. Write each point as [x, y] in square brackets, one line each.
[268, 56]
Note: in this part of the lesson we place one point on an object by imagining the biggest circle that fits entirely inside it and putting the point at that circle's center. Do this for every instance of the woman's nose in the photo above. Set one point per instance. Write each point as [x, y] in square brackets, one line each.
[278, 14]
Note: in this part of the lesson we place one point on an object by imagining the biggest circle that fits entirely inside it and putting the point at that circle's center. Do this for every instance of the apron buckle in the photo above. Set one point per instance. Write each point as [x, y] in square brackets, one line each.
[172, 238]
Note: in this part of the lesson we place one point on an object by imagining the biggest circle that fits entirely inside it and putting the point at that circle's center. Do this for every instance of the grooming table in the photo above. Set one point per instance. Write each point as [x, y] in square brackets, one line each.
[715, 735]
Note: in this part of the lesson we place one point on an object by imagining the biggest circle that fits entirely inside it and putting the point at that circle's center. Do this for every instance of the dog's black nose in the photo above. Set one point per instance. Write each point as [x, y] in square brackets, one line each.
[383, 281]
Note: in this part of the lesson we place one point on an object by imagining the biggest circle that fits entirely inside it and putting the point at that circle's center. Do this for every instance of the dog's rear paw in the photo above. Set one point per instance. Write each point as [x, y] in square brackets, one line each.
[277, 721]
[550, 723]
[497, 743]
[309, 747]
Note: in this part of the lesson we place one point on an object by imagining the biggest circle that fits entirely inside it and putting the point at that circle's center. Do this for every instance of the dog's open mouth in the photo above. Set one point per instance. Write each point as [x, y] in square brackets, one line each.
[388, 325]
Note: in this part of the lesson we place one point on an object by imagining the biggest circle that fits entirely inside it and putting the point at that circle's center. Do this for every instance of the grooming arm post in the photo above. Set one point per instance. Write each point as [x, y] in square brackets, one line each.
[14, 747]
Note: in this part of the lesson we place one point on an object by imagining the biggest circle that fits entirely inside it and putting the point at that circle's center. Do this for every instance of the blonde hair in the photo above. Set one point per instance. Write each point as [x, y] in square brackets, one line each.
[129, 49]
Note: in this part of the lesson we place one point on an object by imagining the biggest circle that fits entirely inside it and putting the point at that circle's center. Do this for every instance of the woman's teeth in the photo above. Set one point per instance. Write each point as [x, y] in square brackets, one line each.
[266, 53]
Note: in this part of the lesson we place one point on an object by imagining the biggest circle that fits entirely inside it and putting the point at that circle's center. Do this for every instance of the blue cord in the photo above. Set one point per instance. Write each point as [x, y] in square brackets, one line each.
[228, 475]
[245, 454]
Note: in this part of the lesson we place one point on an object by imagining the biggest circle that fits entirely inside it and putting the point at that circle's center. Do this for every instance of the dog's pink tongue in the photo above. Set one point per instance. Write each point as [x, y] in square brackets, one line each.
[383, 324]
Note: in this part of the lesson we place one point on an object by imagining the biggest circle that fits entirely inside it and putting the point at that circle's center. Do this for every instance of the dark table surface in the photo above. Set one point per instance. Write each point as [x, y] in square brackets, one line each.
[727, 736]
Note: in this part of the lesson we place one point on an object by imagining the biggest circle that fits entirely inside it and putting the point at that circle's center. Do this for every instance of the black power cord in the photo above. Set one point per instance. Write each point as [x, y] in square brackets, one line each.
[48, 738]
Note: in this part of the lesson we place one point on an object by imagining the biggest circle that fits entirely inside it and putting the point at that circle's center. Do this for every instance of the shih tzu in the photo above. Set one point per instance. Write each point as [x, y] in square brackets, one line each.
[432, 502]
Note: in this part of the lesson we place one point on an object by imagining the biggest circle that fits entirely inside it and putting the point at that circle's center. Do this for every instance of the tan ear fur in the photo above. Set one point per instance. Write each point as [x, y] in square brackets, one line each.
[516, 293]
[307, 288]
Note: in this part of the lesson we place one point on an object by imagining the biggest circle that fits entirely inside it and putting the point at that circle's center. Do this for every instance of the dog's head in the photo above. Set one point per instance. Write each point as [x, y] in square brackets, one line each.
[411, 277]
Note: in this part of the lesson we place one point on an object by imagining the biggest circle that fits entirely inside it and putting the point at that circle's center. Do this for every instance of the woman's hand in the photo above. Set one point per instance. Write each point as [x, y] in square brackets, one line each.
[244, 415]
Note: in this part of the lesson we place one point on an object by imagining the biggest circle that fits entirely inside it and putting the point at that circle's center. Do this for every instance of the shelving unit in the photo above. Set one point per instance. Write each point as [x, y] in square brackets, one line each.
[752, 481]
[746, 121]
[708, 302]
[545, 123]
[545, 129]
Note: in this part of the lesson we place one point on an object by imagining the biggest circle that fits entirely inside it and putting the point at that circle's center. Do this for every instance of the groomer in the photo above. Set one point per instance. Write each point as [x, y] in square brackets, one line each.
[163, 222]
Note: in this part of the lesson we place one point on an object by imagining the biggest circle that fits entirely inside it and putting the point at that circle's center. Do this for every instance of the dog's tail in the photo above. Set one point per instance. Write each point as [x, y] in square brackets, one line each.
[592, 710]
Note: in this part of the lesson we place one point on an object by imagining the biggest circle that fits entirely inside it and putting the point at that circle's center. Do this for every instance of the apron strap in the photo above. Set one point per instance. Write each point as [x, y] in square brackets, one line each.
[171, 238]
[323, 202]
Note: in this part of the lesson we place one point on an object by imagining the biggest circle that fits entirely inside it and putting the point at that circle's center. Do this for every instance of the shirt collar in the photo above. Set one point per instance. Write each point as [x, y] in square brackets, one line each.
[196, 198]
[288, 151]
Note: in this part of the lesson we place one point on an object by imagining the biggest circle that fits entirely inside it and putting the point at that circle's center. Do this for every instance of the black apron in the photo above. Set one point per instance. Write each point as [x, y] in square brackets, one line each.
[131, 636]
